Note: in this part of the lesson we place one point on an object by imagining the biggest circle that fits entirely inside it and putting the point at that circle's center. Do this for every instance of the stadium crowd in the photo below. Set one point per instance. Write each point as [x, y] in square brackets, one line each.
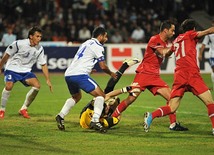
[74, 20]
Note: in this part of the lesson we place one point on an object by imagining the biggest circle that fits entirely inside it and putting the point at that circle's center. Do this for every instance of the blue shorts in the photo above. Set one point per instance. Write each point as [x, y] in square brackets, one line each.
[14, 77]
[77, 82]
[211, 62]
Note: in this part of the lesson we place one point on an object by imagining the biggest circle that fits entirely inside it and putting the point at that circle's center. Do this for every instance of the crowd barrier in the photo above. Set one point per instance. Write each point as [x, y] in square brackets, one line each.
[59, 57]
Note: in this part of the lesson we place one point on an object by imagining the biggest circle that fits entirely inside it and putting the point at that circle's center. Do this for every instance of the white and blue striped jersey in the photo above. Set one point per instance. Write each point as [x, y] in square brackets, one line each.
[88, 54]
[209, 40]
[23, 56]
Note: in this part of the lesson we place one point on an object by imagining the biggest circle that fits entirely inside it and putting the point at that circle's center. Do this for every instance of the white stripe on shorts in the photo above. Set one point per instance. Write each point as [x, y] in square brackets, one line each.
[95, 85]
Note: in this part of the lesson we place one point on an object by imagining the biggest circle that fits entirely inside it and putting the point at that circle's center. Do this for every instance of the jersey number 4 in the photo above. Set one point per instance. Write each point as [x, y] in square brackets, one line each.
[81, 51]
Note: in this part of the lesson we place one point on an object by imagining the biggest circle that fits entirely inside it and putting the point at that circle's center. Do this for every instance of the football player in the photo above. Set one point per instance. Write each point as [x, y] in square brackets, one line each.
[111, 99]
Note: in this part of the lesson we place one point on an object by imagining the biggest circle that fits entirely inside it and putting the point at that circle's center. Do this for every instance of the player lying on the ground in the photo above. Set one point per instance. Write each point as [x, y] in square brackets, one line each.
[111, 100]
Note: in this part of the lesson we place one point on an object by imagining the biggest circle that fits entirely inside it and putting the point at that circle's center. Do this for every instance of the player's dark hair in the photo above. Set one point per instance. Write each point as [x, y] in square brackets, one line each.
[33, 30]
[188, 24]
[166, 25]
[98, 31]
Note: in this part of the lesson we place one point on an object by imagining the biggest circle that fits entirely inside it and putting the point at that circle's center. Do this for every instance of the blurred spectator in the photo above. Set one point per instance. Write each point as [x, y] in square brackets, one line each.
[138, 35]
[44, 20]
[125, 34]
[110, 29]
[116, 37]
[72, 33]
[59, 15]
[91, 25]
[29, 10]
[8, 37]
[84, 34]
[47, 34]
[59, 36]
[94, 9]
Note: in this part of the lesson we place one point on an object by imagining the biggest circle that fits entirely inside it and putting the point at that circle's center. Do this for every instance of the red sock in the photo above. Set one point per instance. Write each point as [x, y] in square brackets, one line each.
[172, 117]
[120, 108]
[210, 109]
[162, 111]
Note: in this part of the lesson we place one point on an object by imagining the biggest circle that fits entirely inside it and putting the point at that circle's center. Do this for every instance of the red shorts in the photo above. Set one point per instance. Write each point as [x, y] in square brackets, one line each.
[150, 82]
[186, 81]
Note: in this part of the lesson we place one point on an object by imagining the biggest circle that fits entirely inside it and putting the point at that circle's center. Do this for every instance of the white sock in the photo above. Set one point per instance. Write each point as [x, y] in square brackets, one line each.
[212, 78]
[4, 98]
[30, 97]
[69, 103]
[98, 108]
[172, 125]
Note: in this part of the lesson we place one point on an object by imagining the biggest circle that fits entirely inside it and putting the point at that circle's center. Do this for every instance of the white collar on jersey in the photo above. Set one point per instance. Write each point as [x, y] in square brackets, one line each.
[96, 41]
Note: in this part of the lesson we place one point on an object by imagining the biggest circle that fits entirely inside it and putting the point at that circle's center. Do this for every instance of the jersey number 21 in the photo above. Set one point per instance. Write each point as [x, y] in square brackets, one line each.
[180, 50]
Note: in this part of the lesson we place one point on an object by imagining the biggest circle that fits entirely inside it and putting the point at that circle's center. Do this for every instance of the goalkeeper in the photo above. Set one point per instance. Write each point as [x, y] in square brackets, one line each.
[111, 99]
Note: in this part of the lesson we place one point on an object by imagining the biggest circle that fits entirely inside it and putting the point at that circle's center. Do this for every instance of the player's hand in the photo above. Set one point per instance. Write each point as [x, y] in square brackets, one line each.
[173, 48]
[50, 85]
[167, 52]
[131, 89]
[200, 57]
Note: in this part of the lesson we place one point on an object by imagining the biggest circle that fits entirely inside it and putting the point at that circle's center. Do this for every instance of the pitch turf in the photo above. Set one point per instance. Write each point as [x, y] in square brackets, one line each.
[39, 135]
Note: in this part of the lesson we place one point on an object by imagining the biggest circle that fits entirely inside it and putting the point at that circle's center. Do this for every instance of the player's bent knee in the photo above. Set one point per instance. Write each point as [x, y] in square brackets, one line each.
[100, 98]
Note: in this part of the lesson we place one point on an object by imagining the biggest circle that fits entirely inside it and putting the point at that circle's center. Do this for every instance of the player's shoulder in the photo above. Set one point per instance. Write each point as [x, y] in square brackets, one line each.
[190, 32]
[192, 35]
[94, 42]
[39, 47]
[22, 42]
[155, 37]
[210, 36]
[155, 41]
[182, 36]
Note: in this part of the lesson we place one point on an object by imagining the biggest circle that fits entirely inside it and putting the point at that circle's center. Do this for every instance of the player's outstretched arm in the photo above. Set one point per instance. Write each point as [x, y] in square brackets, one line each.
[129, 89]
[200, 55]
[166, 52]
[105, 68]
[46, 74]
[205, 32]
[4, 60]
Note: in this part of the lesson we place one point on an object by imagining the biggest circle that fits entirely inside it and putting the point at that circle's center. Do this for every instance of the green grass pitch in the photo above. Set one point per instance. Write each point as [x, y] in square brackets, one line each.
[39, 134]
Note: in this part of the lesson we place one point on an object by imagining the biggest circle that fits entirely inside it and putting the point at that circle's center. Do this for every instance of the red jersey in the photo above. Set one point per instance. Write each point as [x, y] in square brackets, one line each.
[187, 74]
[152, 61]
[186, 50]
